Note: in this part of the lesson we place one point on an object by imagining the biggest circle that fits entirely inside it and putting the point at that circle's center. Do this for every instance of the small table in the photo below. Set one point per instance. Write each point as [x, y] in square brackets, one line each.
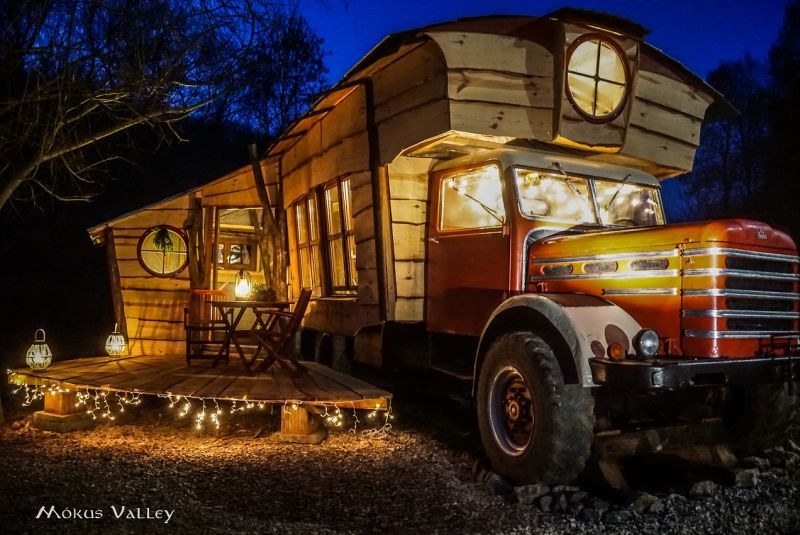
[232, 313]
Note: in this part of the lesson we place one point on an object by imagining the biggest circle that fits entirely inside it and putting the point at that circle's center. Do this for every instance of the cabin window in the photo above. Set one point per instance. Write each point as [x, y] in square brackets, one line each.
[341, 237]
[237, 252]
[471, 199]
[597, 78]
[162, 251]
[308, 250]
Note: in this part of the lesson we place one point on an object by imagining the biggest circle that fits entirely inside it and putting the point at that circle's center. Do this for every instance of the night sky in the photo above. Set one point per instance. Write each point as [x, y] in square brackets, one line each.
[699, 34]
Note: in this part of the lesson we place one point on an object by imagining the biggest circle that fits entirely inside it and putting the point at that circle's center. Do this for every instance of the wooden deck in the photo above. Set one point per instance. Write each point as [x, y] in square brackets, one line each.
[162, 375]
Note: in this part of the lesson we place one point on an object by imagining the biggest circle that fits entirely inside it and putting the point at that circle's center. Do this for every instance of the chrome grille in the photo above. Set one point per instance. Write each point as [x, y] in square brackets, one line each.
[755, 294]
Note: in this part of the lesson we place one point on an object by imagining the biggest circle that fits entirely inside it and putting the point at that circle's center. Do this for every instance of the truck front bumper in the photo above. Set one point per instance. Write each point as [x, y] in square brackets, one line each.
[692, 373]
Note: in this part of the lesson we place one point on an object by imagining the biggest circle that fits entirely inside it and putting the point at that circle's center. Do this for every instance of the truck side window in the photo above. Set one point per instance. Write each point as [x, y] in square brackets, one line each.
[471, 200]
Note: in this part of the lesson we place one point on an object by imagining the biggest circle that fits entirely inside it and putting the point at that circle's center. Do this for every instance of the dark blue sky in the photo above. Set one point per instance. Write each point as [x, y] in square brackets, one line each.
[698, 33]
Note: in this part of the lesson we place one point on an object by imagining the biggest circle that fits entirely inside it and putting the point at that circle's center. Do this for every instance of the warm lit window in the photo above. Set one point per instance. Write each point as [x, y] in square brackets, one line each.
[308, 250]
[471, 200]
[341, 237]
[596, 78]
[237, 252]
[628, 205]
[162, 251]
[554, 196]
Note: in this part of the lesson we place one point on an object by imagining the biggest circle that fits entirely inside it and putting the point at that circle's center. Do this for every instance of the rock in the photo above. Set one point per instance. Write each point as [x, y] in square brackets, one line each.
[703, 489]
[564, 488]
[578, 497]
[642, 502]
[747, 479]
[776, 455]
[545, 503]
[591, 515]
[560, 504]
[657, 507]
[599, 504]
[618, 517]
[527, 494]
[497, 486]
[575, 508]
[792, 446]
[755, 462]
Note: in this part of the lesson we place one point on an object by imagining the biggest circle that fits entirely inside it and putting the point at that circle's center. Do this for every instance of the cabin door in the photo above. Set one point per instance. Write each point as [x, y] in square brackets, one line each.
[468, 250]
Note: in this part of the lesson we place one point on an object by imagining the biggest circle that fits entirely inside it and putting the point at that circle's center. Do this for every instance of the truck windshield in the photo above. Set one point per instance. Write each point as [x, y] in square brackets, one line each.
[569, 199]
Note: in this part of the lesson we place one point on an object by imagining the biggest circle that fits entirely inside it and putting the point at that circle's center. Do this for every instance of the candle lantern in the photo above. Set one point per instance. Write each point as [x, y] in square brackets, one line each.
[115, 343]
[243, 287]
[39, 355]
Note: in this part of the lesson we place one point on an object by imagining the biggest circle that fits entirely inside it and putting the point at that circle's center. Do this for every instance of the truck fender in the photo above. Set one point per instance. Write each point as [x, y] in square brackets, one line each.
[577, 327]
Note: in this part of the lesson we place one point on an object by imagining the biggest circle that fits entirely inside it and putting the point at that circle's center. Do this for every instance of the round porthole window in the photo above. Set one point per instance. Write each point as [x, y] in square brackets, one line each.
[162, 251]
[597, 78]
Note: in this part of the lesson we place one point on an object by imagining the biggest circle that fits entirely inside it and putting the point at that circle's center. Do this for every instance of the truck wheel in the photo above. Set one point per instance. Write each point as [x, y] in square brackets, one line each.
[534, 427]
[760, 417]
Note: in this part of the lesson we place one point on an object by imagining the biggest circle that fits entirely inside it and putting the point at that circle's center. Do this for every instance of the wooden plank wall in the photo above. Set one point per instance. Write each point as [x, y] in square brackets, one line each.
[153, 306]
[235, 190]
[408, 186]
[498, 85]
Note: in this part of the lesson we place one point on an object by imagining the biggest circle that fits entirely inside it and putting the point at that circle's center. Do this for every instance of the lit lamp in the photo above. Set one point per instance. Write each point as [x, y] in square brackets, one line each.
[243, 287]
[39, 355]
[115, 343]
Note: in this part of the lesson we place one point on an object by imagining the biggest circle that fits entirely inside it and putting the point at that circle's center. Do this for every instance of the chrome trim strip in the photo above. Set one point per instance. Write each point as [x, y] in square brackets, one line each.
[640, 291]
[741, 273]
[740, 314]
[743, 293]
[739, 334]
[741, 253]
[612, 256]
[616, 275]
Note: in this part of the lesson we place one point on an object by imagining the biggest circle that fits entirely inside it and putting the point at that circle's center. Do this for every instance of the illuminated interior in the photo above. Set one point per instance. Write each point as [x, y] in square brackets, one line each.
[579, 200]
[596, 78]
[472, 200]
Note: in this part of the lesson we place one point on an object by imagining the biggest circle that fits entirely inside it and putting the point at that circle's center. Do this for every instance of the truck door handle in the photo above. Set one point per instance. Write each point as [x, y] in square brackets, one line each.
[434, 240]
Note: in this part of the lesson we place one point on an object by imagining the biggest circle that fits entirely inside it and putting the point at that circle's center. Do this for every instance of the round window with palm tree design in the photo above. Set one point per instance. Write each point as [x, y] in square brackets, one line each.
[597, 78]
[162, 251]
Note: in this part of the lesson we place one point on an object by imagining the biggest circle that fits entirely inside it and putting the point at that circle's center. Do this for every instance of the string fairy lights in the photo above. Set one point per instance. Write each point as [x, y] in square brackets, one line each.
[204, 412]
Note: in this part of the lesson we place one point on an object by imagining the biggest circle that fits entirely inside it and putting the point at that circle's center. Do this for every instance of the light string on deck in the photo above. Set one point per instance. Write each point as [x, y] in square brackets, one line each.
[98, 404]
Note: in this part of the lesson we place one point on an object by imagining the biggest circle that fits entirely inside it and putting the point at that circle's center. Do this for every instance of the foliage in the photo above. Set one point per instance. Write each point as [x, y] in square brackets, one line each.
[162, 240]
[79, 75]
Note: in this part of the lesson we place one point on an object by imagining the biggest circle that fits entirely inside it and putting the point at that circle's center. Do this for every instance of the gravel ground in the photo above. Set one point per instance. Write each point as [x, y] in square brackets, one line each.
[420, 478]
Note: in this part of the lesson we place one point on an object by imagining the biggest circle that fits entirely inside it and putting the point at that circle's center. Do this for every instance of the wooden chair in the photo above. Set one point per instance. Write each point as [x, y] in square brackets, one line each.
[205, 328]
[277, 333]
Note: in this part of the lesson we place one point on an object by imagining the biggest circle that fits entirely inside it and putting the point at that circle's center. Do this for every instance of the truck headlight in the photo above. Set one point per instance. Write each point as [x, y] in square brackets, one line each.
[646, 343]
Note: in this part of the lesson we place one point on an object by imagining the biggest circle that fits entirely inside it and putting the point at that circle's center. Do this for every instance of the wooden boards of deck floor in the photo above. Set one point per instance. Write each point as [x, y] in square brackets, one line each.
[161, 375]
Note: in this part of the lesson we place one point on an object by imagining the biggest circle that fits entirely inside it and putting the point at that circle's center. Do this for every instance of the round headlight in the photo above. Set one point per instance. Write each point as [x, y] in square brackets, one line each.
[646, 343]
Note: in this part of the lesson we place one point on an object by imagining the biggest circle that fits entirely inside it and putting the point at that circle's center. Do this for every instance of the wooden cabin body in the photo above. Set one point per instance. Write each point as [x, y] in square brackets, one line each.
[149, 307]
[424, 97]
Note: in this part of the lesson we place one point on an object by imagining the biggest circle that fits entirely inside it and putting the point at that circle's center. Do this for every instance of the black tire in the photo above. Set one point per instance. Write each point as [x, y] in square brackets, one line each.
[561, 430]
[760, 416]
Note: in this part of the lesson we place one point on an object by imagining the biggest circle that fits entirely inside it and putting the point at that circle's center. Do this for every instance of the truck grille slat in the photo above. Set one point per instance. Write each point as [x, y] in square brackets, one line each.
[759, 293]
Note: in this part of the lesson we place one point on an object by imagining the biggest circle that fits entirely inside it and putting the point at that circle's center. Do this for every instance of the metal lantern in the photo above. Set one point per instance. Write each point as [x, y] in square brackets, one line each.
[115, 343]
[243, 286]
[39, 355]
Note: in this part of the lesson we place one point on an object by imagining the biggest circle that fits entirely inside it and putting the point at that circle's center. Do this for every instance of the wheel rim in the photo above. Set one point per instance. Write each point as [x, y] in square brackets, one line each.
[511, 411]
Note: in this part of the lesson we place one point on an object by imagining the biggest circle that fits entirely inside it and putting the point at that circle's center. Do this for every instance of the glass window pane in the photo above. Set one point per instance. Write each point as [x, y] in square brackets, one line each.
[302, 227]
[582, 90]
[163, 251]
[611, 66]
[584, 58]
[220, 253]
[608, 97]
[337, 264]
[348, 205]
[154, 261]
[351, 254]
[628, 205]
[333, 211]
[305, 269]
[553, 196]
[472, 199]
[173, 262]
[312, 218]
[315, 270]
[235, 255]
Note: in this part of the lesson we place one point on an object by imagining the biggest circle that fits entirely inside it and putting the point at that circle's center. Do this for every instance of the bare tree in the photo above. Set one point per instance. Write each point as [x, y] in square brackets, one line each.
[80, 73]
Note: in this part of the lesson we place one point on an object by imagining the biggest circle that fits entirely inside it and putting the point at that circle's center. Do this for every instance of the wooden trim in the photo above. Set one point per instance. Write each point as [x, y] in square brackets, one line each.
[375, 176]
[116, 287]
